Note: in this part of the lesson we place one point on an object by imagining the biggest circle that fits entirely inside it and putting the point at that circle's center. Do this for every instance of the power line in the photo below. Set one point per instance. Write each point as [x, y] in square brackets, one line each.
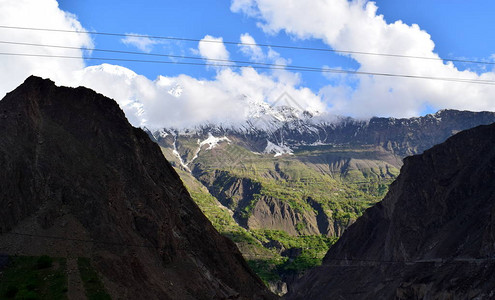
[151, 54]
[202, 58]
[302, 69]
[249, 44]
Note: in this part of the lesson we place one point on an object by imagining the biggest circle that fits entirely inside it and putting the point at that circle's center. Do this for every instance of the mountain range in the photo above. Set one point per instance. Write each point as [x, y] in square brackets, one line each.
[82, 185]
[287, 183]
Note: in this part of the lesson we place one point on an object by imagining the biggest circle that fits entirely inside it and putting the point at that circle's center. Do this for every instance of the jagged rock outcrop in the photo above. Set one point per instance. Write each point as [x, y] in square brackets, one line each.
[432, 236]
[72, 167]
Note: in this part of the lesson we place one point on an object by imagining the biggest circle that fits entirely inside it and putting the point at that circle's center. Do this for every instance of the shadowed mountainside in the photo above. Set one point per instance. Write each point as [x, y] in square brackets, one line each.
[432, 236]
[71, 166]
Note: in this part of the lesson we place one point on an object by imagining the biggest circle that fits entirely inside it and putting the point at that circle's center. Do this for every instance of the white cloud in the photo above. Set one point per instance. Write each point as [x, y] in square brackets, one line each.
[246, 6]
[255, 53]
[355, 25]
[213, 48]
[143, 43]
[250, 49]
[149, 103]
[221, 100]
[39, 14]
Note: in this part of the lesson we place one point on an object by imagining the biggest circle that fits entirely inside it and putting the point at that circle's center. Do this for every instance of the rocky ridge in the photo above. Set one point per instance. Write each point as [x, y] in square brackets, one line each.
[77, 180]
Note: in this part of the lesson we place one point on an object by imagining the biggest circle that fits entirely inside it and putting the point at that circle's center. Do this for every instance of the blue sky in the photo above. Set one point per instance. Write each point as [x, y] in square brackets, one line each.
[457, 27]
[157, 95]
[193, 19]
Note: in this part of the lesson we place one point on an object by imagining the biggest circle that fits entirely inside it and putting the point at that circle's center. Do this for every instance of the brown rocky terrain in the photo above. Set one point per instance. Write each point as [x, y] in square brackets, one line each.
[78, 180]
[432, 236]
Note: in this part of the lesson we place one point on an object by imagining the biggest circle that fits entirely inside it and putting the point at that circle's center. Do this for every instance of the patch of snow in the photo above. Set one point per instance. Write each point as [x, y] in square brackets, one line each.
[318, 143]
[163, 133]
[160, 134]
[213, 141]
[277, 149]
[176, 153]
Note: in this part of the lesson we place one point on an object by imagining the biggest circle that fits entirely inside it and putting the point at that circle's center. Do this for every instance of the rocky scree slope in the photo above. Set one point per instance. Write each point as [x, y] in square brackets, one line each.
[72, 166]
[432, 236]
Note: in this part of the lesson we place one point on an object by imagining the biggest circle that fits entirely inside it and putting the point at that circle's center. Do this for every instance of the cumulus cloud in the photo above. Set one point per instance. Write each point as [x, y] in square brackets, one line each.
[213, 48]
[355, 25]
[180, 101]
[39, 14]
[223, 100]
[143, 43]
[184, 102]
[246, 6]
[250, 49]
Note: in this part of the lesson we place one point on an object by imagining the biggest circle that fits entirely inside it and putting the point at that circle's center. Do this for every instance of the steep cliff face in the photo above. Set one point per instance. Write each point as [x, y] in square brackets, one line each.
[78, 180]
[432, 236]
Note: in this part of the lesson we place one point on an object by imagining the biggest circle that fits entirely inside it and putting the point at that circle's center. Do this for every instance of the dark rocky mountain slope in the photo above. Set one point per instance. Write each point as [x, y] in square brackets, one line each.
[78, 180]
[432, 236]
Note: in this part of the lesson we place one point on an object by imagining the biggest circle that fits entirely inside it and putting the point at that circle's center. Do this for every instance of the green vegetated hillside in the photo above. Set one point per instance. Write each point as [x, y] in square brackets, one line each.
[283, 212]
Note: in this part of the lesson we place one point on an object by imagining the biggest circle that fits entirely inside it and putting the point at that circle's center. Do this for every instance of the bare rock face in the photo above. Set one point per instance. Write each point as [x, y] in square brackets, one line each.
[274, 214]
[71, 166]
[432, 236]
